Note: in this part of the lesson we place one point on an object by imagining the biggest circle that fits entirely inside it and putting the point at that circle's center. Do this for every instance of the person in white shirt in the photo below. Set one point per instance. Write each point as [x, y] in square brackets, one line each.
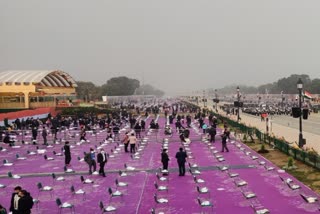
[132, 142]
[102, 160]
[15, 200]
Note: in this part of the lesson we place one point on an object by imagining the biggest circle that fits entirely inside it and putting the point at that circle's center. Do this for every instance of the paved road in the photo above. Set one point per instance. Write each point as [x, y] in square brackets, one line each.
[312, 125]
[285, 126]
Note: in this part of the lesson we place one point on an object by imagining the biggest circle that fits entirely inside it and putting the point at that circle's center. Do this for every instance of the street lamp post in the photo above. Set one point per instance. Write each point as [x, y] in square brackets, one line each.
[300, 86]
[204, 98]
[238, 95]
[216, 95]
[282, 99]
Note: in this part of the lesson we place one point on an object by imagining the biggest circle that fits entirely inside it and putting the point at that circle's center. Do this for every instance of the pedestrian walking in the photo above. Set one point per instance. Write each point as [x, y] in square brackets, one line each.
[67, 153]
[181, 159]
[132, 142]
[90, 159]
[224, 142]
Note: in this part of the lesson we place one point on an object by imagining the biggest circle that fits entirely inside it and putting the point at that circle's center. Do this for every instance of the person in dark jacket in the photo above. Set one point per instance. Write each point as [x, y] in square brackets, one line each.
[83, 134]
[7, 140]
[34, 135]
[67, 153]
[226, 132]
[224, 142]
[25, 202]
[143, 125]
[102, 160]
[137, 129]
[188, 121]
[44, 135]
[181, 159]
[212, 133]
[164, 159]
[92, 161]
[115, 131]
[15, 200]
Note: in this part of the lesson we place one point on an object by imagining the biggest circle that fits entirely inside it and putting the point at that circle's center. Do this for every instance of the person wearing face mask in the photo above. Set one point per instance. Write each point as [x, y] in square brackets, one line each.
[92, 161]
[102, 160]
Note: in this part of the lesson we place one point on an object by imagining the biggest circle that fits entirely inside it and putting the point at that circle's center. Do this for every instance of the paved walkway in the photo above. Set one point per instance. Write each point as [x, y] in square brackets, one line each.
[290, 133]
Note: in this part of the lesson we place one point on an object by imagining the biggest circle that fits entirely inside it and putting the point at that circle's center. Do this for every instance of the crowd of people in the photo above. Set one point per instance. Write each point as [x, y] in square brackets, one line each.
[179, 116]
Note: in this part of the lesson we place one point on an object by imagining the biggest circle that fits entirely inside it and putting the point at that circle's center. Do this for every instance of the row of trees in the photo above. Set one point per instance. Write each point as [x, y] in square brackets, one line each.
[287, 85]
[116, 86]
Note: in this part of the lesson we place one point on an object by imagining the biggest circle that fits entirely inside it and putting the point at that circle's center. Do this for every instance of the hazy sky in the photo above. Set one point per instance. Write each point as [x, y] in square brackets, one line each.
[178, 45]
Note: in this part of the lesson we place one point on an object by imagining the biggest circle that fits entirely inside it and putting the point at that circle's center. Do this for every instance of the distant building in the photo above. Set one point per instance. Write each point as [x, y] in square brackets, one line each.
[35, 89]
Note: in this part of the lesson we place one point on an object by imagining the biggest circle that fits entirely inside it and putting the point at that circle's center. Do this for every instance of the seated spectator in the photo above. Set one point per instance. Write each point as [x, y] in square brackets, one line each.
[167, 130]
[7, 140]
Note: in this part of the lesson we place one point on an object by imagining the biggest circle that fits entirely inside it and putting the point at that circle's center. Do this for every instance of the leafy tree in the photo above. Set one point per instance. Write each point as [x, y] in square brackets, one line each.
[117, 86]
[149, 90]
[287, 84]
[314, 86]
[231, 89]
[120, 86]
[87, 91]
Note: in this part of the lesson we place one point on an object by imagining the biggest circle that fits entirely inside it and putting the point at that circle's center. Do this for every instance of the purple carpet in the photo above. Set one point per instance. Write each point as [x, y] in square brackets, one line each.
[261, 177]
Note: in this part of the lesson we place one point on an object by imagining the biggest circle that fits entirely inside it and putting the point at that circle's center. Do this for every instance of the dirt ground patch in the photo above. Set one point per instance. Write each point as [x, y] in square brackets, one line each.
[304, 173]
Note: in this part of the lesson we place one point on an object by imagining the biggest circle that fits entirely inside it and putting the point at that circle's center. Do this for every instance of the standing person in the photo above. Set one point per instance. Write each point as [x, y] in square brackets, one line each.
[44, 135]
[67, 153]
[116, 130]
[178, 125]
[137, 129]
[25, 202]
[143, 125]
[212, 133]
[83, 134]
[181, 158]
[227, 132]
[132, 142]
[90, 159]
[188, 121]
[164, 159]
[34, 135]
[204, 128]
[102, 160]
[15, 200]
[224, 142]
[109, 134]
[125, 141]
[200, 121]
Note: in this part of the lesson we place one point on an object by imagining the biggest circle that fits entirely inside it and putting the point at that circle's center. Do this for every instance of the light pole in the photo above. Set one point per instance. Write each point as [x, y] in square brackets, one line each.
[204, 99]
[300, 86]
[282, 99]
[216, 95]
[238, 94]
